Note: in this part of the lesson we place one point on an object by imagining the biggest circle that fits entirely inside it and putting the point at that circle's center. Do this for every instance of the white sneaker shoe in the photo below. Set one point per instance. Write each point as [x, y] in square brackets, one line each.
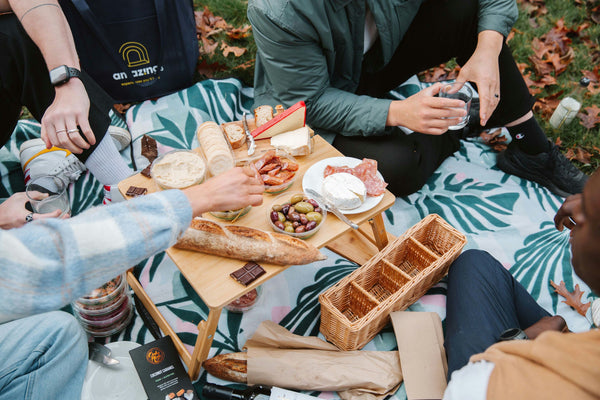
[36, 161]
[121, 136]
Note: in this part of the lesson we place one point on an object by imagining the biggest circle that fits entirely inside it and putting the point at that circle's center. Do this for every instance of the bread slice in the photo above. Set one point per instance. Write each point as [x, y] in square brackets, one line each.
[289, 120]
[235, 134]
[262, 115]
[295, 143]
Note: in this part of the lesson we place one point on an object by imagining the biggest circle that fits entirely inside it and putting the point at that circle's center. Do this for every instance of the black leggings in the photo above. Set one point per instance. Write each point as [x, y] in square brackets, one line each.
[24, 81]
[441, 30]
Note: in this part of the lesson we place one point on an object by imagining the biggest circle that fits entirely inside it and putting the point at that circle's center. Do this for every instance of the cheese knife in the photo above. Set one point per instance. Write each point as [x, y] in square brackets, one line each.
[249, 137]
[330, 207]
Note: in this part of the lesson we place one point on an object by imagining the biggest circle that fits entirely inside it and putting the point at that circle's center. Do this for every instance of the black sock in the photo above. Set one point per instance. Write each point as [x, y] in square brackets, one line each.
[530, 137]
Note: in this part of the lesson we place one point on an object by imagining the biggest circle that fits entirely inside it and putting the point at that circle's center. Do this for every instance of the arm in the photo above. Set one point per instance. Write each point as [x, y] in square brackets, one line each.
[296, 67]
[45, 265]
[46, 25]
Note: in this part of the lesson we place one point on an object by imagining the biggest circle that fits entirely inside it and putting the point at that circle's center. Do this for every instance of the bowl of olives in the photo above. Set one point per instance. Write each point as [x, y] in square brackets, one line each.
[296, 214]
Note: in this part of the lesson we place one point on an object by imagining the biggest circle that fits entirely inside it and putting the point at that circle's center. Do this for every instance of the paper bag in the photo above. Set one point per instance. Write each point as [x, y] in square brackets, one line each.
[278, 357]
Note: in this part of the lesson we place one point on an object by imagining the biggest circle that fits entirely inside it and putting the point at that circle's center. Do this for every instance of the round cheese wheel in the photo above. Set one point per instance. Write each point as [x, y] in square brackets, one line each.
[344, 190]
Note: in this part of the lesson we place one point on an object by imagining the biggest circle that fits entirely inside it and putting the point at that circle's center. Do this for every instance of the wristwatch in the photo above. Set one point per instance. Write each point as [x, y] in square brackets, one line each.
[62, 74]
[512, 334]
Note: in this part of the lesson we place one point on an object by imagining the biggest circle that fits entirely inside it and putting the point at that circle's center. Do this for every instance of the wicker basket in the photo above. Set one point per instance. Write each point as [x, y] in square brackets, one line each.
[356, 308]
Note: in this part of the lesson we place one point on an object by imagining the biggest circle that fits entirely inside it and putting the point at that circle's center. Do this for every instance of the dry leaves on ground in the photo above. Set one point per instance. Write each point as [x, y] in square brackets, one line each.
[573, 298]
[591, 117]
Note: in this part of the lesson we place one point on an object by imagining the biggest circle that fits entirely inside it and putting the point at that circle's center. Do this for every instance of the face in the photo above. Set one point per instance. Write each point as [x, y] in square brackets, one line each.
[585, 236]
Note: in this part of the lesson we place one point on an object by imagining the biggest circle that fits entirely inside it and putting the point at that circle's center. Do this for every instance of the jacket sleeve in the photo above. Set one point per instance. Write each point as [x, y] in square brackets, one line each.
[497, 15]
[295, 67]
[48, 263]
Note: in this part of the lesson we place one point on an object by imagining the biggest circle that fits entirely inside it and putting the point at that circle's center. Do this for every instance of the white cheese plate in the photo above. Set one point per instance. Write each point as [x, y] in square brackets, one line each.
[313, 179]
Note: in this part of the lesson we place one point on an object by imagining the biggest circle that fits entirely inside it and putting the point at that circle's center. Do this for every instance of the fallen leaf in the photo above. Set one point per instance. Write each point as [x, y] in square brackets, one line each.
[573, 298]
[583, 156]
[239, 33]
[547, 105]
[122, 108]
[494, 139]
[591, 117]
[208, 70]
[237, 51]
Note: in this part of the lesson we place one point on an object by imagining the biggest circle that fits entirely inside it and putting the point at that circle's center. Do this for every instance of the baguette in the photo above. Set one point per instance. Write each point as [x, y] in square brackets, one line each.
[262, 115]
[247, 244]
[235, 134]
[231, 367]
[219, 156]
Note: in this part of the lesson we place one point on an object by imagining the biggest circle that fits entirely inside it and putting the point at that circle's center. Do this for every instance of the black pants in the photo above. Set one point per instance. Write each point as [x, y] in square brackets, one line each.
[441, 30]
[24, 81]
[483, 301]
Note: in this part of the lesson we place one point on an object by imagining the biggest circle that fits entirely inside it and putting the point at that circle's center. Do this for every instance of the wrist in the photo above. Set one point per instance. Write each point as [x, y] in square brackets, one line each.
[489, 42]
[199, 202]
[394, 111]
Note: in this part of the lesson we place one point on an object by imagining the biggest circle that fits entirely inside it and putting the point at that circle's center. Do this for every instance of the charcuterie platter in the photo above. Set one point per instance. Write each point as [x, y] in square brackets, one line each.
[314, 176]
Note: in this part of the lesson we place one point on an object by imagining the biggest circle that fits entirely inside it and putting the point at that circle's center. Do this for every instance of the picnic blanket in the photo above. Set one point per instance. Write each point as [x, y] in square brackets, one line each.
[509, 217]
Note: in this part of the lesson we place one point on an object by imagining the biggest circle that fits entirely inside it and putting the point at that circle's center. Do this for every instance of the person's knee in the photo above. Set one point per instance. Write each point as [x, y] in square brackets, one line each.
[470, 263]
[66, 331]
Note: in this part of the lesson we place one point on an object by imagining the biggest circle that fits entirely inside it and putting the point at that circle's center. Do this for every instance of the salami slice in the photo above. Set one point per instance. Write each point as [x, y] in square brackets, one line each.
[366, 171]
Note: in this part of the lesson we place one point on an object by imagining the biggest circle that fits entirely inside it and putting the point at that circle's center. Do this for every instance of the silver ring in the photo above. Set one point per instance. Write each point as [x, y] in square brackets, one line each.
[496, 95]
[72, 130]
[75, 131]
[29, 217]
[61, 131]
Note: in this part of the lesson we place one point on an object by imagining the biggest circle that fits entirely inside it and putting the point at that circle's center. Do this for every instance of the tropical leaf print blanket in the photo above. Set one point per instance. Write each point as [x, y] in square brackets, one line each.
[509, 217]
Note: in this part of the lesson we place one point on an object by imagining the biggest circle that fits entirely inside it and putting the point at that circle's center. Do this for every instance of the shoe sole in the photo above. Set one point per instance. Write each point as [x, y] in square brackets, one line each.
[121, 136]
[508, 168]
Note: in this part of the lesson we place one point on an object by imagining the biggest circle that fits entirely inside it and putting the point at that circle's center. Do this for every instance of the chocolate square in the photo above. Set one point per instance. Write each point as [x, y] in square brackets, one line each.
[149, 148]
[135, 191]
[248, 273]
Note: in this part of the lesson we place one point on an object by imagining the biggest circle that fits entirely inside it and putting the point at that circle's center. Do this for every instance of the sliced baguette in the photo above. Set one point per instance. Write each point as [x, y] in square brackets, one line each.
[262, 115]
[235, 134]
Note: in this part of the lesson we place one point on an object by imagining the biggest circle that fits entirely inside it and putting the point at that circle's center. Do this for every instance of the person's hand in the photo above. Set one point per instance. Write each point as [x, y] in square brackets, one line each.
[65, 122]
[13, 213]
[554, 323]
[232, 190]
[483, 70]
[570, 213]
[425, 113]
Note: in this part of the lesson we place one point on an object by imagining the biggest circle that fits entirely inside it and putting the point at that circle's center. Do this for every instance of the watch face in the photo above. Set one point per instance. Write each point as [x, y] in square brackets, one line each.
[59, 75]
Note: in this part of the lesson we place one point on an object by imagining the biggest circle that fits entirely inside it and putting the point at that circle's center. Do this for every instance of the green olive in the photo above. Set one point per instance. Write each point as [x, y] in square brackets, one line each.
[289, 229]
[304, 207]
[277, 207]
[288, 223]
[281, 216]
[314, 216]
[296, 198]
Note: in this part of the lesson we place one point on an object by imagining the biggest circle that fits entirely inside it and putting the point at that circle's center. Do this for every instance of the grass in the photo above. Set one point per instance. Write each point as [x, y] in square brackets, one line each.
[575, 14]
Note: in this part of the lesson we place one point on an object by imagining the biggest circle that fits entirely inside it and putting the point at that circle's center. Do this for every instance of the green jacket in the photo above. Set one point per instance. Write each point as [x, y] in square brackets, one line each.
[312, 50]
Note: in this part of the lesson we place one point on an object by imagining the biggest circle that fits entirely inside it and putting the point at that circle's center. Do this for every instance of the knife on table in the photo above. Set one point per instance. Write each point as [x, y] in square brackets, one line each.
[330, 207]
[249, 137]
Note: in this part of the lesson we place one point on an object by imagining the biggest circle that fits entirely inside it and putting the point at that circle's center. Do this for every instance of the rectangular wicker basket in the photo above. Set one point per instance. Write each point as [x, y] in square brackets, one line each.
[356, 308]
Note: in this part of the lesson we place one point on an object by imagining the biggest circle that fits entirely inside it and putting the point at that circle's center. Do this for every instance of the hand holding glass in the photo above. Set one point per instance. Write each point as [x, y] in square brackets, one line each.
[460, 91]
[47, 194]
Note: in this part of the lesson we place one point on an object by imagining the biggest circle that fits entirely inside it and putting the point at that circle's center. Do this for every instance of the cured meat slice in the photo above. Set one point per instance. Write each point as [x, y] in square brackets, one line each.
[366, 171]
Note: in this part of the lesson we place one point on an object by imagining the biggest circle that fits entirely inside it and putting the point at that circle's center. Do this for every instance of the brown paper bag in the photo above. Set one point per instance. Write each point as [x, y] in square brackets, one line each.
[280, 358]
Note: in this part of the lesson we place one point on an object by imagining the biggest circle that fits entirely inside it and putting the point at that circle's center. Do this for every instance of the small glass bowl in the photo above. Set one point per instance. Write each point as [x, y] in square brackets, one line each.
[182, 166]
[274, 188]
[245, 302]
[101, 297]
[231, 215]
[285, 199]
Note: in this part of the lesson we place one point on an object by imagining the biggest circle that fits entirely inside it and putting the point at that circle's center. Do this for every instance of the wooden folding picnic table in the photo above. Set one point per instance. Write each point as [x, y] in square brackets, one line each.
[209, 275]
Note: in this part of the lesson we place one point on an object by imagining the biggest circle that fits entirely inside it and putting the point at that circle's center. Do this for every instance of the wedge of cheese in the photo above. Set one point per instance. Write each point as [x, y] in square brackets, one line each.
[344, 190]
[289, 120]
[295, 143]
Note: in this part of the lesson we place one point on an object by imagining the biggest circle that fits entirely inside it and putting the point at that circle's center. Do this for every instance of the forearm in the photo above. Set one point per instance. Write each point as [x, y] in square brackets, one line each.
[489, 42]
[47, 27]
[45, 265]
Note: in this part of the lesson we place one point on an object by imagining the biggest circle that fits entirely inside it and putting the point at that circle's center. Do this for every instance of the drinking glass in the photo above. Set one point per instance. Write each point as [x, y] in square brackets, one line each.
[460, 91]
[47, 194]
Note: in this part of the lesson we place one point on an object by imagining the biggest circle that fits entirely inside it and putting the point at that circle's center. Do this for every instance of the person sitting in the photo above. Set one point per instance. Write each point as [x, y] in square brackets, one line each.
[343, 57]
[485, 303]
[73, 110]
[46, 264]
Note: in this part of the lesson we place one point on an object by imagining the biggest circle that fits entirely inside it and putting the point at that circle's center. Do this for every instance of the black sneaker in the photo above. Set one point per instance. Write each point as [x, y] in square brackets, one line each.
[550, 169]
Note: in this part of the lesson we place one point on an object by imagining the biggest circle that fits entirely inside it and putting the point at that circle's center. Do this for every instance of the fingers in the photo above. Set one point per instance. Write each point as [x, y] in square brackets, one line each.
[53, 214]
[86, 131]
[570, 213]
[67, 131]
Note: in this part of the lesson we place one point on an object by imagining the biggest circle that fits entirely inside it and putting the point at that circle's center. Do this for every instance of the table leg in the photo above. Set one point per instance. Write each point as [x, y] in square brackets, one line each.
[379, 232]
[206, 333]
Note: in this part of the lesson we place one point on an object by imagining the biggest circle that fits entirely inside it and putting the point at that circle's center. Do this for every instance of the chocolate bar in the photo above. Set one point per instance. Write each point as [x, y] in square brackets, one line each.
[248, 273]
[135, 191]
[149, 148]
[146, 171]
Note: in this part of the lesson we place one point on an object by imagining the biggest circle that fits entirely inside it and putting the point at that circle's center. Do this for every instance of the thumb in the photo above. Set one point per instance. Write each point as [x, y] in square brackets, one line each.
[53, 214]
